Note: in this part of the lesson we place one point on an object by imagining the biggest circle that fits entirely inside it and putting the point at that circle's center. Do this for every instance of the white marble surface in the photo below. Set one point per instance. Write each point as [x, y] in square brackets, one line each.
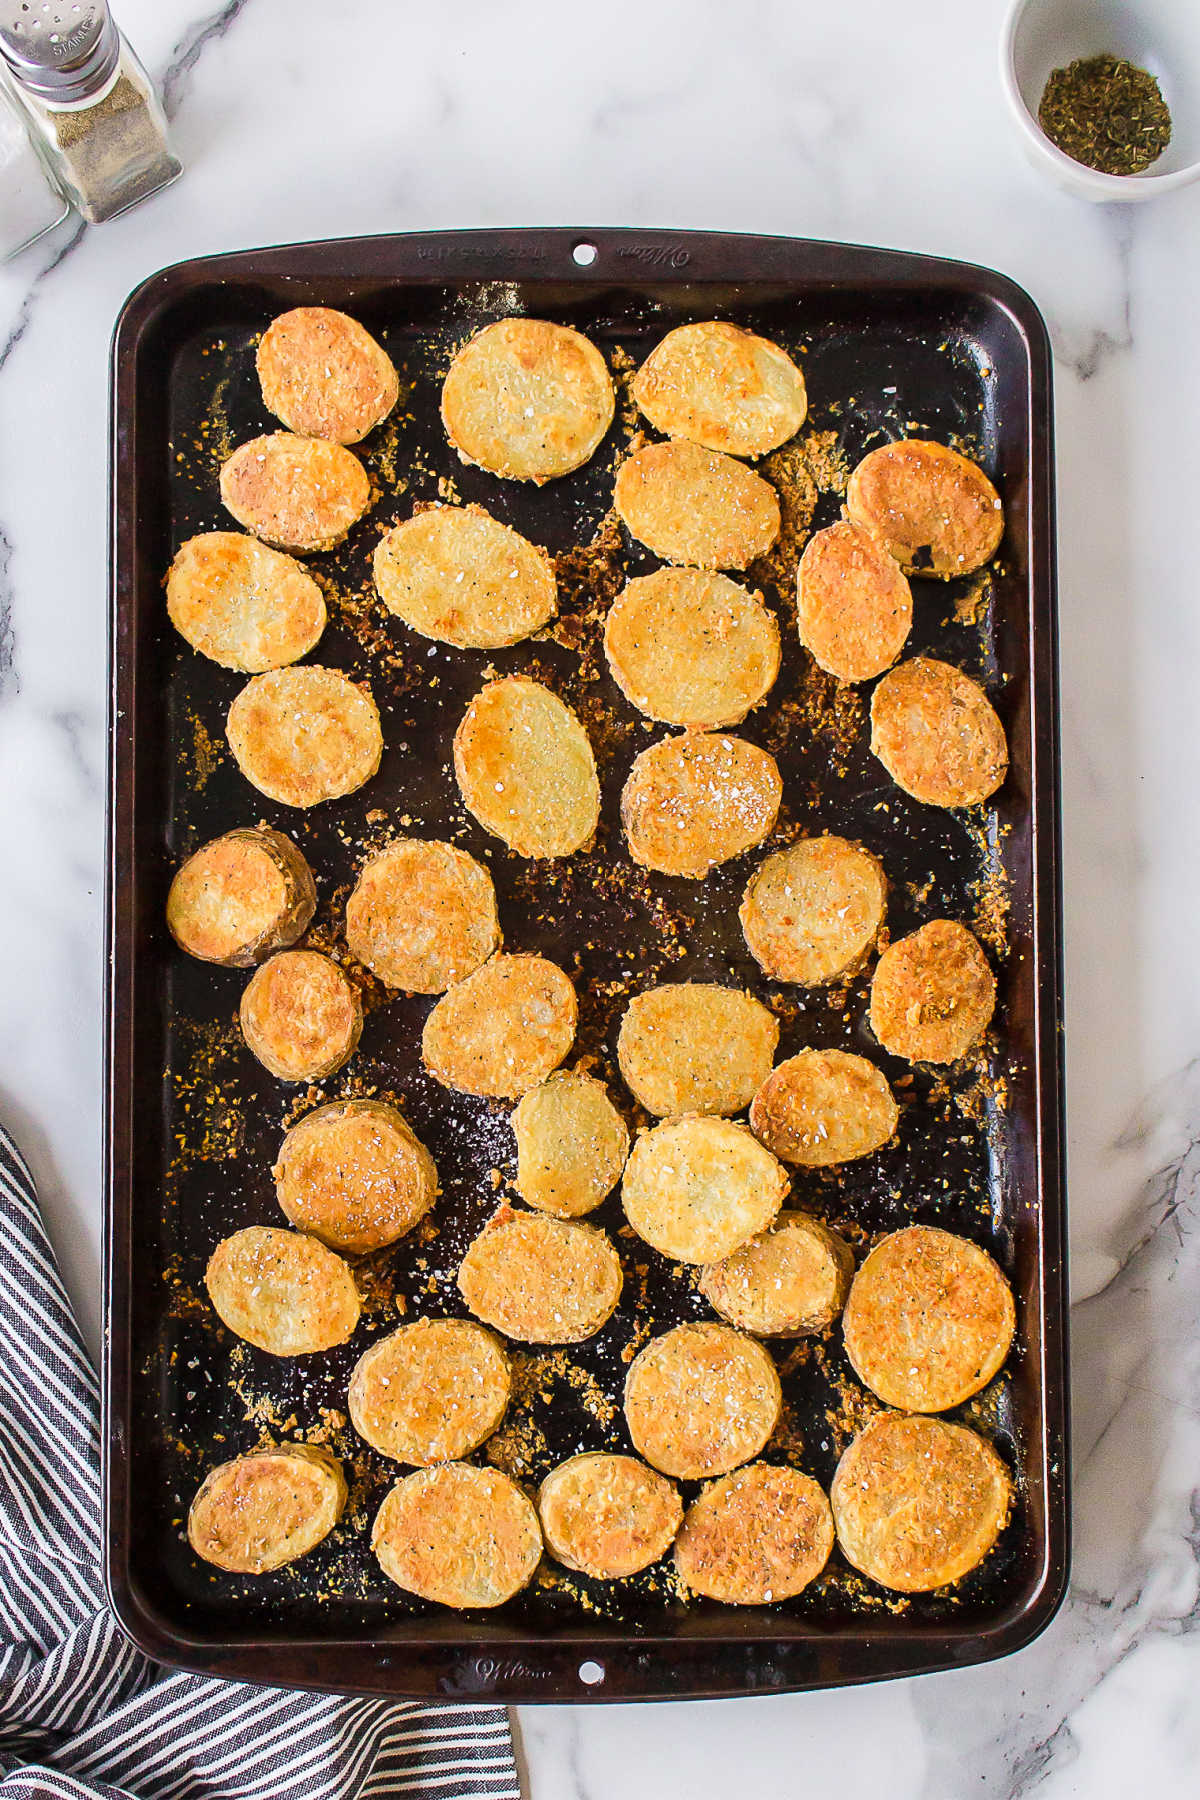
[867, 121]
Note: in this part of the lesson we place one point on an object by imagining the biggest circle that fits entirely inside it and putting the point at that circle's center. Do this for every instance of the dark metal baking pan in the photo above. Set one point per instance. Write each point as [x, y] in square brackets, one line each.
[890, 344]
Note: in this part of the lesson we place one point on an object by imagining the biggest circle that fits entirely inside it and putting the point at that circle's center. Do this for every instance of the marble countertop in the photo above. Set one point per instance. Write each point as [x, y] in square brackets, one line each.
[865, 122]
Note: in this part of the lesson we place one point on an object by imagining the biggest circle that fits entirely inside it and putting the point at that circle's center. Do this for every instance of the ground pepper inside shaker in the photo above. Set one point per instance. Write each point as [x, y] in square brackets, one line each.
[90, 103]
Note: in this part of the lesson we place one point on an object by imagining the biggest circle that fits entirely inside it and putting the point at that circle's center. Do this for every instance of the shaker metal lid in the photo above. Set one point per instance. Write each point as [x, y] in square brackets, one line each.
[60, 49]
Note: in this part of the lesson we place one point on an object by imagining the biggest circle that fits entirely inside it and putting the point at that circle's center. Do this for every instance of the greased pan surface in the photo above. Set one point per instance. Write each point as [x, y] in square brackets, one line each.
[890, 345]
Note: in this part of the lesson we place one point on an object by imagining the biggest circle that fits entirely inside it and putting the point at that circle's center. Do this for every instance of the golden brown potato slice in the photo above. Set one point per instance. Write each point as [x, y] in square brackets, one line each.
[527, 399]
[301, 1015]
[525, 769]
[540, 1280]
[812, 912]
[430, 1392]
[699, 1188]
[722, 387]
[301, 736]
[700, 1400]
[823, 1107]
[696, 506]
[422, 915]
[324, 375]
[459, 576]
[929, 1321]
[789, 1281]
[853, 604]
[918, 1503]
[932, 994]
[257, 1512]
[759, 1535]
[242, 604]
[694, 1047]
[503, 1029]
[692, 802]
[937, 734]
[608, 1516]
[355, 1175]
[571, 1144]
[241, 896]
[281, 1291]
[935, 511]
[691, 647]
[458, 1535]
[295, 493]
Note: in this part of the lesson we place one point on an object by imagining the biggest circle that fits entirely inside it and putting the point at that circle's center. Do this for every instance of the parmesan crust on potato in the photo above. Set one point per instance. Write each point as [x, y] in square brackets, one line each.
[695, 1047]
[301, 1015]
[694, 801]
[935, 511]
[572, 1144]
[259, 1511]
[937, 734]
[932, 994]
[458, 1535]
[853, 604]
[324, 375]
[304, 735]
[823, 1107]
[355, 1175]
[240, 897]
[691, 647]
[789, 1281]
[540, 1280]
[430, 1392]
[422, 915]
[606, 1515]
[295, 493]
[918, 1502]
[242, 604]
[811, 913]
[722, 387]
[503, 1029]
[281, 1291]
[455, 574]
[929, 1321]
[695, 506]
[700, 1400]
[527, 399]
[525, 769]
[698, 1188]
[756, 1536]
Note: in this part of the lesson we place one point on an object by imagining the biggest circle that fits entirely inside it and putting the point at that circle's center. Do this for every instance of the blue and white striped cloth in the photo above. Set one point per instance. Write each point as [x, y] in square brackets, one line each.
[82, 1713]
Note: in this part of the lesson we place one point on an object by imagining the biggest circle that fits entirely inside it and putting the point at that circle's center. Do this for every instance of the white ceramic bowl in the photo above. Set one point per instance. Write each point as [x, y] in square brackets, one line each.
[1160, 35]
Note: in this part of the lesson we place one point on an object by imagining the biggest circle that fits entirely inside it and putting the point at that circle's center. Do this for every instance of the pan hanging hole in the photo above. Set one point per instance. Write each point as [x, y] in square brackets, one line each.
[585, 255]
[591, 1673]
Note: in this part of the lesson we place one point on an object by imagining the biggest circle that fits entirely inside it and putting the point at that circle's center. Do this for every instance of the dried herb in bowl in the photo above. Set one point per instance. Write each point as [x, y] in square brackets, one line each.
[1106, 113]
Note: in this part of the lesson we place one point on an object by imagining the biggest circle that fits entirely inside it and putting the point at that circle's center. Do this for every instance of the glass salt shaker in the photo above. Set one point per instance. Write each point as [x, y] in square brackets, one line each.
[89, 103]
[30, 204]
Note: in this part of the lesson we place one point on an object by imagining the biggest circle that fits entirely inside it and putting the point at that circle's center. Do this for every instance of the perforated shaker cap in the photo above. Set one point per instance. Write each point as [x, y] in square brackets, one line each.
[59, 49]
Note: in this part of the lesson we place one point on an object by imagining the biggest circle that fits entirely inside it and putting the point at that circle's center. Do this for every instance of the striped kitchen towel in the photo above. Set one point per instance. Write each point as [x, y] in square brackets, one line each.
[81, 1711]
